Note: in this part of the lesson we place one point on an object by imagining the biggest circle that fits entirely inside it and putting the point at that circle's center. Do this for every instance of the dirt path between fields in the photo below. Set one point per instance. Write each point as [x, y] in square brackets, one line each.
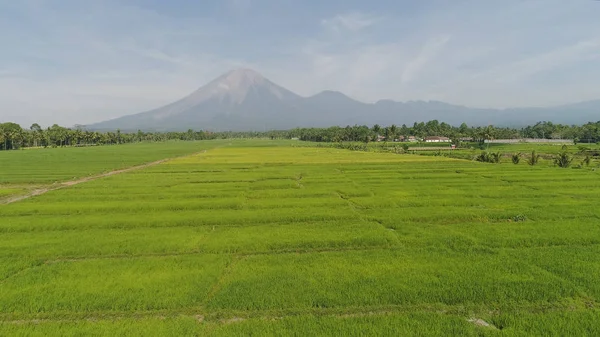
[44, 190]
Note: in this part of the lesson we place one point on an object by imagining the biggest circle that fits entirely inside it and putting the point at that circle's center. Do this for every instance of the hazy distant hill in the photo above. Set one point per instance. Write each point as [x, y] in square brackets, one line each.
[244, 100]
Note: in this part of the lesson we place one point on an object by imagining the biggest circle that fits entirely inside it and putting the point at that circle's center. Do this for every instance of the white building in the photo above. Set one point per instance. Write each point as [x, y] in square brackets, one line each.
[437, 139]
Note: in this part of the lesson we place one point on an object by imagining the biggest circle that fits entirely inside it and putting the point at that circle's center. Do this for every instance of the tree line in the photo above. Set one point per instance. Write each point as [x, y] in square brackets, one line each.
[587, 133]
[13, 136]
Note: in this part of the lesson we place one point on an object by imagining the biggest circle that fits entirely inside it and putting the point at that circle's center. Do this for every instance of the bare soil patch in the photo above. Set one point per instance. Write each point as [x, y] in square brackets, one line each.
[482, 323]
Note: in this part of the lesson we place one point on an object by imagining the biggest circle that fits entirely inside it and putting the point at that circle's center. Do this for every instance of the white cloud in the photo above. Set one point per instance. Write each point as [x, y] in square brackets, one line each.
[517, 54]
[70, 66]
[540, 62]
[430, 50]
[353, 22]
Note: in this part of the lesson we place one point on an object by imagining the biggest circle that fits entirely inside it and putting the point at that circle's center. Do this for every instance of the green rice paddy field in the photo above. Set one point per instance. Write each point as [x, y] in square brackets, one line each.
[259, 238]
[52, 165]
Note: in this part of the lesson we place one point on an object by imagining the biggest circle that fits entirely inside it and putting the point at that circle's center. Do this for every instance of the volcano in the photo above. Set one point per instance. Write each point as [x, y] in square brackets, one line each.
[244, 100]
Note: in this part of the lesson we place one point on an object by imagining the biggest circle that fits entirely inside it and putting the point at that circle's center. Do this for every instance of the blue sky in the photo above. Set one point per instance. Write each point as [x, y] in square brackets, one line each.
[72, 61]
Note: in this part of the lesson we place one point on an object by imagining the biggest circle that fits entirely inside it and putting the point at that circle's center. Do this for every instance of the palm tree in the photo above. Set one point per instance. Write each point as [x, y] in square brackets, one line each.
[489, 133]
[393, 131]
[3, 137]
[533, 160]
[376, 129]
[516, 158]
[36, 131]
[12, 134]
[17, 136]
[563, 160]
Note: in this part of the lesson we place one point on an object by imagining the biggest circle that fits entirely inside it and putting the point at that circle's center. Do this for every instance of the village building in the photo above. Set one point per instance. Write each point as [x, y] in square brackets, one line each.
[437, 139]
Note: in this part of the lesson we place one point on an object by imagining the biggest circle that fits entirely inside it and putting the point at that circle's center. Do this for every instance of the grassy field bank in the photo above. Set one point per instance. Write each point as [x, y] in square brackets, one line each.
[262, 238]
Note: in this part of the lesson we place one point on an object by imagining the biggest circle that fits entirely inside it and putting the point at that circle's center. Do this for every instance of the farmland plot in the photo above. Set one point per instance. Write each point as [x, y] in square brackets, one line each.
[252, 239]
[33, 172]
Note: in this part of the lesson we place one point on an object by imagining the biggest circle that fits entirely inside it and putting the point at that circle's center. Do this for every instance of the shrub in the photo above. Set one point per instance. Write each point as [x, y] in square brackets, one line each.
[484, 157]
[487, 157]
[519, 218]
[495, 157]
[516, 158]
[563, 160]
[534, 159]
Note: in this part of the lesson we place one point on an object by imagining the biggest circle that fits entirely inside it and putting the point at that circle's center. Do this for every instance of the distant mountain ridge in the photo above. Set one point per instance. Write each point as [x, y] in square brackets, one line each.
[244, 100]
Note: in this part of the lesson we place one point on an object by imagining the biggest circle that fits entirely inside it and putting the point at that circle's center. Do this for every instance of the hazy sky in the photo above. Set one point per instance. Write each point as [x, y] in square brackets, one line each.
[73, 61]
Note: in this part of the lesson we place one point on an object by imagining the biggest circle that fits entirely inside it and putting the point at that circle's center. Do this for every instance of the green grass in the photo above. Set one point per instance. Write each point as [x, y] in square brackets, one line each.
[268, 239]
[570, 323]
[186, 326]
[539, 147]
[4, 192]
[383, 278]
[59, 164]
[106, 285]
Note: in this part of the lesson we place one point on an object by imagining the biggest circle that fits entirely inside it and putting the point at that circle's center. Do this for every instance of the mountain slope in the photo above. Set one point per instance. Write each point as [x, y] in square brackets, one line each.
[241, 99]
[244, 100]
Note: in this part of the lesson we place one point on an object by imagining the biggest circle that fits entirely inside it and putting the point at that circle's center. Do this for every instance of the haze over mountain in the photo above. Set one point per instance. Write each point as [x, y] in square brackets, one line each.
[244, 100]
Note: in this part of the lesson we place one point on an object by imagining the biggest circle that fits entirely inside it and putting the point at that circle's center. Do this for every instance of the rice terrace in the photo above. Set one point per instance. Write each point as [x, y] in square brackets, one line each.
[275, 237]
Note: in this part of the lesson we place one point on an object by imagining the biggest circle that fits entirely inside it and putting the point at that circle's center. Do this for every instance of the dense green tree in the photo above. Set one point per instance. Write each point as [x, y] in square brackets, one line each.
[393, 129]
[12, 136]
[376, 129]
